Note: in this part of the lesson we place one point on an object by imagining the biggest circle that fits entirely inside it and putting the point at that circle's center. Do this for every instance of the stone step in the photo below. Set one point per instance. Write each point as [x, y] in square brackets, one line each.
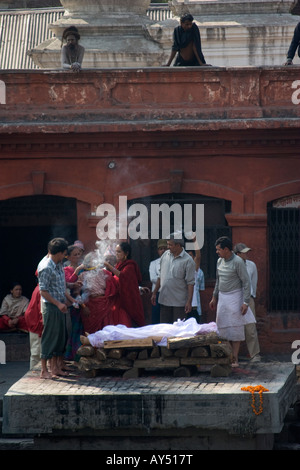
[16, 444]
[294, 431]
[286, 446]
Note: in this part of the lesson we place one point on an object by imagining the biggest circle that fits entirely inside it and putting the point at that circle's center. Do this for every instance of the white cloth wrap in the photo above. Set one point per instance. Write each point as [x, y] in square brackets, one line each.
[179, 328]
[230, 321]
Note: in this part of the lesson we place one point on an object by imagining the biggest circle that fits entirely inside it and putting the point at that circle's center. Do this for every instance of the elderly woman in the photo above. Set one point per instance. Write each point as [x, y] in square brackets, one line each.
[13, 308]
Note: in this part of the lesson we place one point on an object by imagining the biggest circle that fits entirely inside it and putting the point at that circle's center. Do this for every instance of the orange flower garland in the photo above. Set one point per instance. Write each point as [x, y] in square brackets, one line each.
[259, 389]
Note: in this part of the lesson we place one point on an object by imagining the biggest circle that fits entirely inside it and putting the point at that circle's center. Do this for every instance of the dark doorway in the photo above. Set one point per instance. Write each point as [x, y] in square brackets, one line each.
[215, 226]
[26, 226]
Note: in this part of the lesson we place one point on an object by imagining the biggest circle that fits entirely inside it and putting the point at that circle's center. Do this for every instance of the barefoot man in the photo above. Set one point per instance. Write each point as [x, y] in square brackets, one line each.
[231, 296]
[53, 291]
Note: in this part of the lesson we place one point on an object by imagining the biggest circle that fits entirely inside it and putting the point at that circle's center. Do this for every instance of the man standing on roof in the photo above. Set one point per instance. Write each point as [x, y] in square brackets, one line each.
[187, 44]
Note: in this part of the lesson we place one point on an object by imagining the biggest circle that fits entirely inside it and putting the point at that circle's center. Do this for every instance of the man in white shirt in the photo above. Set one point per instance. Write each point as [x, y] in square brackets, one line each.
[176, 282]
[154, 274]
[250, 330]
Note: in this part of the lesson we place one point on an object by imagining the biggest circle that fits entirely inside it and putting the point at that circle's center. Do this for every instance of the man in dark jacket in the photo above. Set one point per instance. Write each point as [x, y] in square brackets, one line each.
[293, 46]
[187, 44]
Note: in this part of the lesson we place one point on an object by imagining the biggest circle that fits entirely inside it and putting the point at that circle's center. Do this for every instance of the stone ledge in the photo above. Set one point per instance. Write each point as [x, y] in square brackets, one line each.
[151, 406]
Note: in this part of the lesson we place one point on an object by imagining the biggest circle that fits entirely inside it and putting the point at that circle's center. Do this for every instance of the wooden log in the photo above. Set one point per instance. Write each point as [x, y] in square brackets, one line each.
[100, 354]
[142, 355]
[168, 363]
[189, 361]
[91, 363]
[155, 352]
[115, 353]
[86, 351]
[165, 352]
[184, 352]
[87, 363]
[115, 364]
[220, 350]
[129, 343]
[200, 351]
[193, 341]
[131, 355]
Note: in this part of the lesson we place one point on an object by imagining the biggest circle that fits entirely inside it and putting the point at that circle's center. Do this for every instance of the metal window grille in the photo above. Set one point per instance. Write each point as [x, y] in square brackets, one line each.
[284, 259]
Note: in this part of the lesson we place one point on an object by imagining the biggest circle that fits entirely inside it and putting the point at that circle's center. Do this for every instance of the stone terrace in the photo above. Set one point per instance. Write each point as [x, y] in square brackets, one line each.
[154, 411]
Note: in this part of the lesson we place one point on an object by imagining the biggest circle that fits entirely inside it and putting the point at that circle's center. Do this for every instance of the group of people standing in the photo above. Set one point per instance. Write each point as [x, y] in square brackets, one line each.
[179, 279]
[98, 293]
[186, 48]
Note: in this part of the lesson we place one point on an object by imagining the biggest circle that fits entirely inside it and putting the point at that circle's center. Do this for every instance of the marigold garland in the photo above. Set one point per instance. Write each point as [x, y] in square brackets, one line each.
[258, 389]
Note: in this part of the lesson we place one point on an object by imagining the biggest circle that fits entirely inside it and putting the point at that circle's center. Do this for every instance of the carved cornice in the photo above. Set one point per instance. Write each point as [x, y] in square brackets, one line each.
[247, 220]
[155, 145]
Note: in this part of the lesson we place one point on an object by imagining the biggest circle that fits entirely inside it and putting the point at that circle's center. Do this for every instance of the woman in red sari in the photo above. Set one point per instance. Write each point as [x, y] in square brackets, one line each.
[129, 277]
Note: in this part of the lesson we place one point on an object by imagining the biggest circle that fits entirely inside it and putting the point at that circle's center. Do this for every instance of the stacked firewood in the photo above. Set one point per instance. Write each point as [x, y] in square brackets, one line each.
[182, 356]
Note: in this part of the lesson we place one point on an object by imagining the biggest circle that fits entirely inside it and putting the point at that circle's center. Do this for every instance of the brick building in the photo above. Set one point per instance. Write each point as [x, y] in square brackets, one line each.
[225, 137]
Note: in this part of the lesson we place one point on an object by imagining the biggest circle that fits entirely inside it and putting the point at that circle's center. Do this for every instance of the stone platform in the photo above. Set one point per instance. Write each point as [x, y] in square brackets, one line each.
[155, 411]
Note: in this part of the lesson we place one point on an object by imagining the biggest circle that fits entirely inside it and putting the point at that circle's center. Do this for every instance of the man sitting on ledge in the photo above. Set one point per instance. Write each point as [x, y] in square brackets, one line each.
[72, 53]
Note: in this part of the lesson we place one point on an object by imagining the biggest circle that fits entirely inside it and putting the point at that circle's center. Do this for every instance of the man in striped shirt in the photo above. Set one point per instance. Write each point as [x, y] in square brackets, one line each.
[53, 291]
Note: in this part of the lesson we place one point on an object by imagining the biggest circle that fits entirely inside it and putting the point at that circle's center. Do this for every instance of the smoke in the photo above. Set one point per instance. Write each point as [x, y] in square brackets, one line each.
[94, 275]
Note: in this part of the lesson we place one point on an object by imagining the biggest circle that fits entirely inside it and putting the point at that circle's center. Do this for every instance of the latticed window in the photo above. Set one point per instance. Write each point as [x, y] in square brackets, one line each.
[284, 256]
